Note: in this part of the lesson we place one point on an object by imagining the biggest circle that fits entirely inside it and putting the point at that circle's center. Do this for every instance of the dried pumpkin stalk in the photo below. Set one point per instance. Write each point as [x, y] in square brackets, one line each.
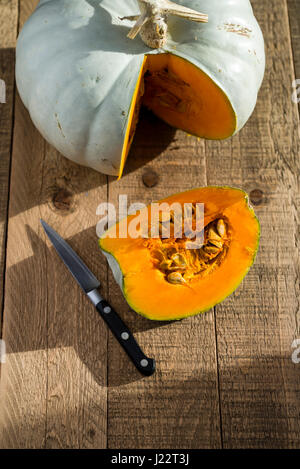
[152, 23]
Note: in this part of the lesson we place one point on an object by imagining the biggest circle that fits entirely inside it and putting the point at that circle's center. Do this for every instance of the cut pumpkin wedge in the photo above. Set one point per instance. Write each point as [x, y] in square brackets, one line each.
[164, 279]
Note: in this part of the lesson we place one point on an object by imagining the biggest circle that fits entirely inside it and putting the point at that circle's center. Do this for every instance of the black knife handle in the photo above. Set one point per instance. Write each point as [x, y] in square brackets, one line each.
[145, 365]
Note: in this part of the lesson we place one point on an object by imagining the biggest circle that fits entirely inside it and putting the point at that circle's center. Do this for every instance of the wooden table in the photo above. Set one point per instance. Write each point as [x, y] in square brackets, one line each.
[225, 378]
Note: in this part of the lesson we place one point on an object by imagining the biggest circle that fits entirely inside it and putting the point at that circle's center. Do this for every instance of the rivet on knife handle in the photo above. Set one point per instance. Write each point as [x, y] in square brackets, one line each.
[145, 365]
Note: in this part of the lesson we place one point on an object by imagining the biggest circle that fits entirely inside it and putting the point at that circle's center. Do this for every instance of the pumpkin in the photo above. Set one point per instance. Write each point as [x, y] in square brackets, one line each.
[197, 64]
[165, 277]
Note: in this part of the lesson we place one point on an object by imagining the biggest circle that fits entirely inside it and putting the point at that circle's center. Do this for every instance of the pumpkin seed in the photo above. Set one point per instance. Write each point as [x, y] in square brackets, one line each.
[158, 255]
[175, 268]
[212, 235]
[165, 265]
[211, 249]
[176, 278]
[171, 251]
[179, 260]
[204, 256]
[216, 243]
[221, 228]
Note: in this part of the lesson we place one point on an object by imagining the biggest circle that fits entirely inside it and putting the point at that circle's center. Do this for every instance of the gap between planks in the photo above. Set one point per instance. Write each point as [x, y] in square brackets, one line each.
[8, 35]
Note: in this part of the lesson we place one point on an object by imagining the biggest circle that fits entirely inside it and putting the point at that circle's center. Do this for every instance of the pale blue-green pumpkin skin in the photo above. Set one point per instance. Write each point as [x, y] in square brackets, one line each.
[76, 70]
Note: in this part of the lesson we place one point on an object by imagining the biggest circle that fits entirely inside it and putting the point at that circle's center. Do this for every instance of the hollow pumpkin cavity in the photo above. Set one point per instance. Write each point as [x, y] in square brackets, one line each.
[180, 264]
[183, 96]
[162, 277]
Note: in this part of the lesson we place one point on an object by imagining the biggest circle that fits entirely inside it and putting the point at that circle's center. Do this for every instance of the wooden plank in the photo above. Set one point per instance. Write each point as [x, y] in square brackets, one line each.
[294, 16]
[178, 406]
[8, 34]
[53, 388]
[77, 337]
[259, 384]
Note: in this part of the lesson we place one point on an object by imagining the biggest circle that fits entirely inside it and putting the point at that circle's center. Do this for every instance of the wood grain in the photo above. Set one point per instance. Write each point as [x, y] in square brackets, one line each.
[53, 388]
[178, 407]
[259, 384]
[8, 34]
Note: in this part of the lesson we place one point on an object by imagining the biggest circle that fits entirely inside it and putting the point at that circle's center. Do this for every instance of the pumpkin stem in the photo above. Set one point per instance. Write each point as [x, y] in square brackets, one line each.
[143, 19]
[152, 22]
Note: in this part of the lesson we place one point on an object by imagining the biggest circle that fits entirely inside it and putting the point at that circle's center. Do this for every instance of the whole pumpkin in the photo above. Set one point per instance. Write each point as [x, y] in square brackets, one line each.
[83, 80]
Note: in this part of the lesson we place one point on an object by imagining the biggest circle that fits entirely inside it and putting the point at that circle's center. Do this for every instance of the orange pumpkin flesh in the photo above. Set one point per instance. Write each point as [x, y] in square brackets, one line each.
[183, 96]
[145, 285]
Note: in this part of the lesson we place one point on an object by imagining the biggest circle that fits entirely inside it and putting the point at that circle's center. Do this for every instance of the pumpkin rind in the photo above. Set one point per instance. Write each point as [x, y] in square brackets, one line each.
[77, 71]
[144, 286]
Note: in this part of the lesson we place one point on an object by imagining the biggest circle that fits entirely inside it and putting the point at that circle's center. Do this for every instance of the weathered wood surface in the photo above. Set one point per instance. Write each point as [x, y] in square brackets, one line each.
[259, 384]
[8, 35]
[53, 385]
[224, 379]
[178, 407]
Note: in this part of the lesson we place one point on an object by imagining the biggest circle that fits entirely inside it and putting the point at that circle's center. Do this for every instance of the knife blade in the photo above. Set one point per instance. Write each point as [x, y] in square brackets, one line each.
[90, 284]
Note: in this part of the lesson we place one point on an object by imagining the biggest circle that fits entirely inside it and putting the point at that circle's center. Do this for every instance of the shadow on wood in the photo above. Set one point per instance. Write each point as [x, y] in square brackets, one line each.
[177, 423]
[66, 316]
[65, 179]
[152, 137]
[267, 421]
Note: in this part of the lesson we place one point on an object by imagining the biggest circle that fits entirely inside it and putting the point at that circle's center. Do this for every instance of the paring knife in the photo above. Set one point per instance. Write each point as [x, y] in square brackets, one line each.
[90, 285]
